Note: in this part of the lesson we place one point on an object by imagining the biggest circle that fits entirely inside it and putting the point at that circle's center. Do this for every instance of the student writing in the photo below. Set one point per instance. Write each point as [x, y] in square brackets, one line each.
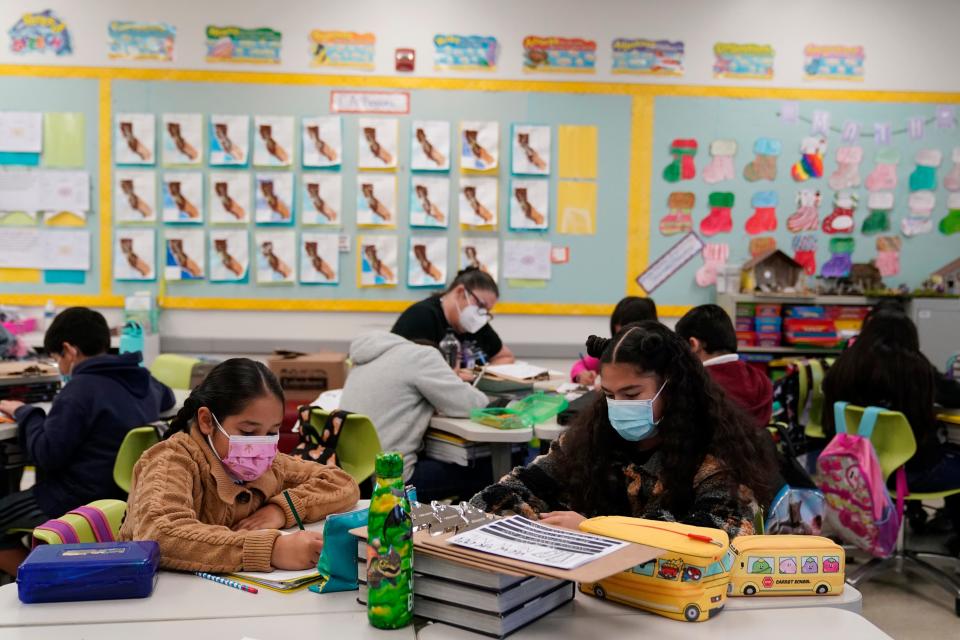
[400, 385]
[659, 443]
[211, 493]
[629, 310]
[74, 447]
[467, 307]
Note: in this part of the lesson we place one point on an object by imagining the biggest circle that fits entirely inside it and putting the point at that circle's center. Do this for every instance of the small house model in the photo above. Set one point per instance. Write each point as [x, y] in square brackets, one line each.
[772, 272]
[949, 273]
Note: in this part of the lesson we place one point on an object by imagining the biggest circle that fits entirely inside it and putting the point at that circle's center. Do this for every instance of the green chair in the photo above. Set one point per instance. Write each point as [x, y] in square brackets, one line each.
[112, 510]
[173, 370]
[357, 446]
[894, 443]
[134, 444]
[811, 391]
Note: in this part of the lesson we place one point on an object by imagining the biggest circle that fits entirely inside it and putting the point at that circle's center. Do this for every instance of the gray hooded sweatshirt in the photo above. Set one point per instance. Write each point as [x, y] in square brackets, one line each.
[400, 385]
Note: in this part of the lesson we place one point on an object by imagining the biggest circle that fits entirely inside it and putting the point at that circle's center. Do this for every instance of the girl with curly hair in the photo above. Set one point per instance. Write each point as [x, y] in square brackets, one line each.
[661, 442]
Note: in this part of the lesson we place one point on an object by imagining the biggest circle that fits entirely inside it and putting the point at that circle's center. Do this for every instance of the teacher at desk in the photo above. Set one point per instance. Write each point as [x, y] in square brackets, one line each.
[467, 307]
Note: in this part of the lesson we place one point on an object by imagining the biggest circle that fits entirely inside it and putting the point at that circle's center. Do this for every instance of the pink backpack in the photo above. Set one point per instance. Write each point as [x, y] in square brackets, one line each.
[859, 508]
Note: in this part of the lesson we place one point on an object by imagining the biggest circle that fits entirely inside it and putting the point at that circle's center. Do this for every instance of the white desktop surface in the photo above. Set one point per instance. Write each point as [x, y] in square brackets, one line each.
[275, 627]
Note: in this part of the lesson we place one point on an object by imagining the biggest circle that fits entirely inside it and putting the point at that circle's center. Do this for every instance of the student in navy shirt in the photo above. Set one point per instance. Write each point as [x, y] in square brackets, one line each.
[74, 447]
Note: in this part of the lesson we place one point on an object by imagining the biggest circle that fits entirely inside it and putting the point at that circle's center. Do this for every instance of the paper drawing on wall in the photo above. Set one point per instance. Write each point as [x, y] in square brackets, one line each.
[182, 136]
[321, 199]
[182, 197]
[229, 255]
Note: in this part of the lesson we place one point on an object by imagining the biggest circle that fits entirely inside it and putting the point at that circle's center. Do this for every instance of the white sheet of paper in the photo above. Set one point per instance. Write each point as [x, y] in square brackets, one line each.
[518, 538]
[526, 259]
[26, 248]
[520, 370]
[64, 191]
[19, 190]
[21, 131]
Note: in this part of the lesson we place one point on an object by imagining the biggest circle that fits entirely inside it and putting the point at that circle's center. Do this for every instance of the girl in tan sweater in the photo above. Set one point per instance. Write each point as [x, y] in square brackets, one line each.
[210, 493]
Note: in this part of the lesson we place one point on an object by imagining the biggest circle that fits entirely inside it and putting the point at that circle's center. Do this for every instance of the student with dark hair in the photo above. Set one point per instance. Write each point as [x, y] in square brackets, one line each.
[629, 310]
[467, 307]
[885, 368]
[660, 442]
[713, 340]
[400, 385]
[211, 493]
[74, 447]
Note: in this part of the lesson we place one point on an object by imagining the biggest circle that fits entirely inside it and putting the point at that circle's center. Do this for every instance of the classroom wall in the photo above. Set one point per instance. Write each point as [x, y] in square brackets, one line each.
[909, 46]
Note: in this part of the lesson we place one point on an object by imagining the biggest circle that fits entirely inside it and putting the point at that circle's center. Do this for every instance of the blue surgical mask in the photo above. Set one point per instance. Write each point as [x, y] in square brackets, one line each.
[633, 419]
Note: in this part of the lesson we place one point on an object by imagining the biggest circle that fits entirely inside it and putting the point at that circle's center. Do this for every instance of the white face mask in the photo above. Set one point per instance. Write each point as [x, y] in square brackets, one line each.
[472, 320]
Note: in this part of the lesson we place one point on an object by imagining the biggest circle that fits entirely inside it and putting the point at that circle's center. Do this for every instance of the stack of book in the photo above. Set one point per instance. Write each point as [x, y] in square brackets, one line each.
[493, 604]
[447, 447]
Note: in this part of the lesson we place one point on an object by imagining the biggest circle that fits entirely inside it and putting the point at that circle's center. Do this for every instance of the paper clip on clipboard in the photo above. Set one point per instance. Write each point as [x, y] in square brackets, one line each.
[437, 518]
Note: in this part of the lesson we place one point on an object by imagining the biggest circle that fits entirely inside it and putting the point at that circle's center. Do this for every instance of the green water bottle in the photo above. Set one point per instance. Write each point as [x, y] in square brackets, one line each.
[389, 548]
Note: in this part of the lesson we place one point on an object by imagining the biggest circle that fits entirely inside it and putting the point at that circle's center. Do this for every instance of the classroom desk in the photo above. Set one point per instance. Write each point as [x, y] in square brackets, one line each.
[177, 596]
[782, 624]
[501, 441]
[275, 627]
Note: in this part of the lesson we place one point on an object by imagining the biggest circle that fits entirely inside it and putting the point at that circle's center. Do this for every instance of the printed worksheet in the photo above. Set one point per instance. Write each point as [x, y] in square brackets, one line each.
[518, 538]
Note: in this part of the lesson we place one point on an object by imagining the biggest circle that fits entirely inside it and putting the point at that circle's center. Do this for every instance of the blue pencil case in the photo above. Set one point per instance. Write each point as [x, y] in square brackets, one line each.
[89, 571]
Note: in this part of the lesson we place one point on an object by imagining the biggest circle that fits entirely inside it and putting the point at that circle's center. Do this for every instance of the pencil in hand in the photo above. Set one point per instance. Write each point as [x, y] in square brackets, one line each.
[293, 510]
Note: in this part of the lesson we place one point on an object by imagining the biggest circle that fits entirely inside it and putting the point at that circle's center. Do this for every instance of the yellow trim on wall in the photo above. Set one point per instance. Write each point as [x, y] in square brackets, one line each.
[638, 222]
[105, 137]
[638, 217]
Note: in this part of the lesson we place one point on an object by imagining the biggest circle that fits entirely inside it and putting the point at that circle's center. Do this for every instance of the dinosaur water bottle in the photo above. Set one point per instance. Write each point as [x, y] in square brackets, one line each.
[389, 548]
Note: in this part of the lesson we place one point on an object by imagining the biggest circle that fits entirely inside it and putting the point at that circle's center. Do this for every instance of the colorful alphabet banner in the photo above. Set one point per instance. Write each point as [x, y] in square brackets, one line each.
[127, 40]
[235, 44]
[39, 33]
[832, 62]
[544, 54]
[641, 56]
[465, 53]
[344, 49]
[743, 61]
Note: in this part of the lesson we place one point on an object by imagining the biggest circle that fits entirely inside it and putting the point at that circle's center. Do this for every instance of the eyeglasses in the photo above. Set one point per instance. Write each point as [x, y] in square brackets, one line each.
[484, 311]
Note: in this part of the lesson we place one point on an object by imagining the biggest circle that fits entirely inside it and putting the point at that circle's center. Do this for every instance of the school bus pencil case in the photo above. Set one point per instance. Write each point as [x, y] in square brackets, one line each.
[89, 571]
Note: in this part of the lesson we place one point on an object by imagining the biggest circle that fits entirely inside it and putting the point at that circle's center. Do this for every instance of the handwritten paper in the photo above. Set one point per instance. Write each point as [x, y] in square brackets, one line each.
[44, 191]
[526, 259]
[518, 538]
[21, 132]
[34, 248]
[64, 191]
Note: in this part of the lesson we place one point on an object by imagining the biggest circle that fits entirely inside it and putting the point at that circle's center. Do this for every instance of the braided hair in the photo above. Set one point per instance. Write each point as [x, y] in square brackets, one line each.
[697, 421]
[226, 391]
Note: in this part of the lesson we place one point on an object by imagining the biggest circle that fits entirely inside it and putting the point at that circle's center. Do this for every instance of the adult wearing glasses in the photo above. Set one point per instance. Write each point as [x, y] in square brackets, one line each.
[466, 306]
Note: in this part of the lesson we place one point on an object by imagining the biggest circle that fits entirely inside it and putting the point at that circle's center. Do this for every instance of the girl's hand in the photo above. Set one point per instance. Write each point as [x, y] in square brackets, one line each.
[10, 407]
[565, 519]
[300, 550]
[269, 516]
[586, 378]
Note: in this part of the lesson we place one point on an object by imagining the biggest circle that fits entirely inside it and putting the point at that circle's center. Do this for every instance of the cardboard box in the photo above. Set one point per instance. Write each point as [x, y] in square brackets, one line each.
[305, 376]
[200, 371]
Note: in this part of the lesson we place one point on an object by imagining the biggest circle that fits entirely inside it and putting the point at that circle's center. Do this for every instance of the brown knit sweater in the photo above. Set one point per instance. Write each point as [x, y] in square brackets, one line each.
[183, 498]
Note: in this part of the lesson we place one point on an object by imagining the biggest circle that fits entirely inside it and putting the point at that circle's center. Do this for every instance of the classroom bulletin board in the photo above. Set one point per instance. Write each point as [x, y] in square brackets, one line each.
[634, 127]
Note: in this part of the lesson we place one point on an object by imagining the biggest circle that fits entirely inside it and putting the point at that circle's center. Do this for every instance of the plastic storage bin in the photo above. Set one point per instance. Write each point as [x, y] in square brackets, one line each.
[89, 571]
[536, 408]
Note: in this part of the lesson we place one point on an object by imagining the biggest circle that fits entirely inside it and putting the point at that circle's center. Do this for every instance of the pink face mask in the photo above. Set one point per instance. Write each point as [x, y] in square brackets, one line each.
[248, 457]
